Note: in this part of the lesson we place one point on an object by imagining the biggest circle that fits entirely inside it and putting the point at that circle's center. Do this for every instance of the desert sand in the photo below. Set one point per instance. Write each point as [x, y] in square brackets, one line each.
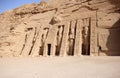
[60, 67]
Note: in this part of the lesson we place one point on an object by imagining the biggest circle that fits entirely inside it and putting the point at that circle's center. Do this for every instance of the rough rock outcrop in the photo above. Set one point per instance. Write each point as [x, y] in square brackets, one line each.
[72, 27]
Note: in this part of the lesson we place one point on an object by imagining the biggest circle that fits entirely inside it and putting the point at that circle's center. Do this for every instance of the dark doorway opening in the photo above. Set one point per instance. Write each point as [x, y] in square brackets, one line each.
[71, 47]
[85, 49]
[41, 50]
[49, 49]
[57, 51]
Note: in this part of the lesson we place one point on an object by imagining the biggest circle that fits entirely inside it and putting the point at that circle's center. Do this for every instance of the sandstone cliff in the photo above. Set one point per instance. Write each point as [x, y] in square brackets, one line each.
[61, 27]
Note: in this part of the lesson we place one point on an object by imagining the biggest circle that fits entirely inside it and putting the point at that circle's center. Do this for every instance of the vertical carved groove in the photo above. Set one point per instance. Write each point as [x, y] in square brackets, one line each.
[71, 40]
[61, 38]
[70, 32]
[57, 40]
[24, 44]
[74, 37]
[33, 41]
[43, 40]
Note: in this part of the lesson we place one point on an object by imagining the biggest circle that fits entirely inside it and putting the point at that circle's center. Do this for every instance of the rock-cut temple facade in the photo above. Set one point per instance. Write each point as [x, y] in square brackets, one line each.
[62, 28]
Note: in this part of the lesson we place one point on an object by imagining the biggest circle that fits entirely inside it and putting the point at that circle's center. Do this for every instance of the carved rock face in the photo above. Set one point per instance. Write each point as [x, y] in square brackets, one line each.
[56, 19]
[64, 27]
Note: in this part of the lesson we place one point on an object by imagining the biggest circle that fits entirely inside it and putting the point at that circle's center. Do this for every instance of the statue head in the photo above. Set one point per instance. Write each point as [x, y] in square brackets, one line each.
[85, 30]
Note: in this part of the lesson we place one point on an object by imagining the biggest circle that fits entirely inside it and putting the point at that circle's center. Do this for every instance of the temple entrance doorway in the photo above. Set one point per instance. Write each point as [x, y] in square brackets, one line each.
[49, 49]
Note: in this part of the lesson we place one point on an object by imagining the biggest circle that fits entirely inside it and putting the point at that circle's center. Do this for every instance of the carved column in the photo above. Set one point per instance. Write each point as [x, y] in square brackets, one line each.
[59, 38]
[63, 50]
[72, 37]
[45, 49]
[93, 37]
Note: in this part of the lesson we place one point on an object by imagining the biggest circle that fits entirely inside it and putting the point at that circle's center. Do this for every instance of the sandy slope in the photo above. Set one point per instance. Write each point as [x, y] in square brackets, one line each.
[60, 67]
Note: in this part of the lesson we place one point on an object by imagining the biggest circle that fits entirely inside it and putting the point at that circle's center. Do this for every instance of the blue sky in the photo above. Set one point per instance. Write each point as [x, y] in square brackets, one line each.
[11, 4]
